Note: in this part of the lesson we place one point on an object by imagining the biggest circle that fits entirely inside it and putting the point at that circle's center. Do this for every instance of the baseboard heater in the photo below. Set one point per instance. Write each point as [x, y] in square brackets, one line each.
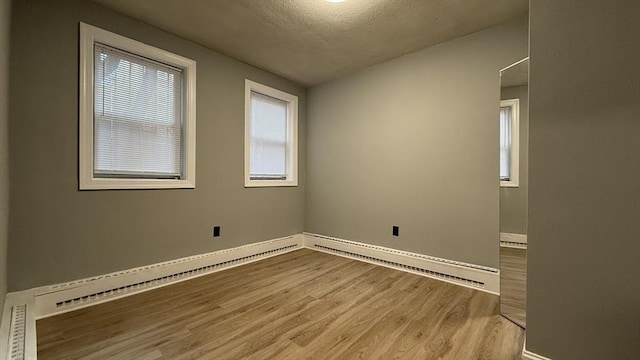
[518, 241]
[70, 296]
[17, 332]
[18, 329]
[460, 273]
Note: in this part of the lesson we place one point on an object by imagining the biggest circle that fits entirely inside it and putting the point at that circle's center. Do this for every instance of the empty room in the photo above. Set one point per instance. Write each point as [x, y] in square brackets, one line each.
[320, 179]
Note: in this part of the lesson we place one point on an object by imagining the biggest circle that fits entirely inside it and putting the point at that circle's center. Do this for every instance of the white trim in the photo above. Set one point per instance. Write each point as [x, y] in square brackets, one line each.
[4, 330]
[88, 36]
[514, 64]
[473, 276]
[513, 240]
[7, 329]
[292, 135]
[514, 104]
[528, 355]
[513, 237]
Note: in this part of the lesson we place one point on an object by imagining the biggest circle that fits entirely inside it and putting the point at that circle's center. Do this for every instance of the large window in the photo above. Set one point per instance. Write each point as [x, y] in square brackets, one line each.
[137, 114]
[271, 121]
[509, 141]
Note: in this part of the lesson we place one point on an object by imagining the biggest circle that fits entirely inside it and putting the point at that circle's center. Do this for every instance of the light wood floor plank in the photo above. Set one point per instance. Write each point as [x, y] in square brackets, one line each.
[299, 305]
[513, 284]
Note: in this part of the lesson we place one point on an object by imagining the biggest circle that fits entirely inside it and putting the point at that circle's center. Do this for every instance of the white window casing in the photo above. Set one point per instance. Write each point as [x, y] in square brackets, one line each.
[271, 137]
[137, 114]
[509, 142]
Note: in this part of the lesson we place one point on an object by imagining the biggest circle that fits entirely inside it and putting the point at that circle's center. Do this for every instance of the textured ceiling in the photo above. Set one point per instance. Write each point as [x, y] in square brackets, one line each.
[515, 75]
[311, 41]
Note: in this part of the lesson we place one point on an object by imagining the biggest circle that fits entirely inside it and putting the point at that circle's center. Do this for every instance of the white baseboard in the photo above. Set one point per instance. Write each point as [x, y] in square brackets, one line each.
[528, 355]
[18, 339]
[518, 241]
[468, 275]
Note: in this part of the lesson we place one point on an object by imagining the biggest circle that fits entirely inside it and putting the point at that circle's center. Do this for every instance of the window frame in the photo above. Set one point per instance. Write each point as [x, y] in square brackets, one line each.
[514, 105]
[292, 136]
[89, 35]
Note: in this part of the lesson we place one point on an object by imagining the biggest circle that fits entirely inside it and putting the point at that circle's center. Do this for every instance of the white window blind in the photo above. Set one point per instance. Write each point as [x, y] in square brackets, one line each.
[137, 116]
[268, 138]
[506, 121]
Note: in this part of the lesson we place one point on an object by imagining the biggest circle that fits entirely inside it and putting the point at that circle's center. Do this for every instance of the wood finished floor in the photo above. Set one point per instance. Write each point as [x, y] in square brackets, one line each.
[513, 284]
[300, 305]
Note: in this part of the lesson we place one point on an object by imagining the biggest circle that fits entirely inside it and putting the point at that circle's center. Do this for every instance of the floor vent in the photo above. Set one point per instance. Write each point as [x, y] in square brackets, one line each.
[171, 277]
[17, 332]
[449, 277]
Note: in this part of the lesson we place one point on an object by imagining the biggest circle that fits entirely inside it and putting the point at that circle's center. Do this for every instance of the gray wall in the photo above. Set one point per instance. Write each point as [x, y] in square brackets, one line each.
[59, 233]
[513, 201]
[5, 11]
[583, 281]
[413, 142]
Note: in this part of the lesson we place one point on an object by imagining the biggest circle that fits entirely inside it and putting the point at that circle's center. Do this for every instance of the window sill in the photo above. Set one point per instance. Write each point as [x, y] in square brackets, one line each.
[509, 184]
[122, 184]
[270, 183]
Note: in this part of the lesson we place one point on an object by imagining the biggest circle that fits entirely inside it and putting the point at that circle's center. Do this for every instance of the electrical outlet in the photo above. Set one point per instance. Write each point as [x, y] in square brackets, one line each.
[216, 231]
[396, 230]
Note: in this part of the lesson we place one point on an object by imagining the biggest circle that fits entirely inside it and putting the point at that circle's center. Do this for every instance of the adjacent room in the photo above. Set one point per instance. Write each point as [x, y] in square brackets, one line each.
[319, 179]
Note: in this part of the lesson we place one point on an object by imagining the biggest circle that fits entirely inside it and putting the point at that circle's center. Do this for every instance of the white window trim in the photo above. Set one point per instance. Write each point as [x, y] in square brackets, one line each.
[292, 135]
[514, 104]
[90, 35]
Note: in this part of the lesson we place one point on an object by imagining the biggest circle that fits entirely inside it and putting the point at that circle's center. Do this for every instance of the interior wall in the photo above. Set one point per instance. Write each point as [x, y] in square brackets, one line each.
[5, 11]
[583, 286]
[513, 200]
[59, 233]
[413, 142]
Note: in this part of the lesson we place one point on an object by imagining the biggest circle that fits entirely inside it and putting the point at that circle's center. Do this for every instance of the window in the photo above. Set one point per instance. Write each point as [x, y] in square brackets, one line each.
[137, 114]
[509, 140]
[271, 136]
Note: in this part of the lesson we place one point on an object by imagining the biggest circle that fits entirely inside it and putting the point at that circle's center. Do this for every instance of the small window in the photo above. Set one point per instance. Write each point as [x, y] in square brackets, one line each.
[271, 144]
[137, 114]
[509, 140]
